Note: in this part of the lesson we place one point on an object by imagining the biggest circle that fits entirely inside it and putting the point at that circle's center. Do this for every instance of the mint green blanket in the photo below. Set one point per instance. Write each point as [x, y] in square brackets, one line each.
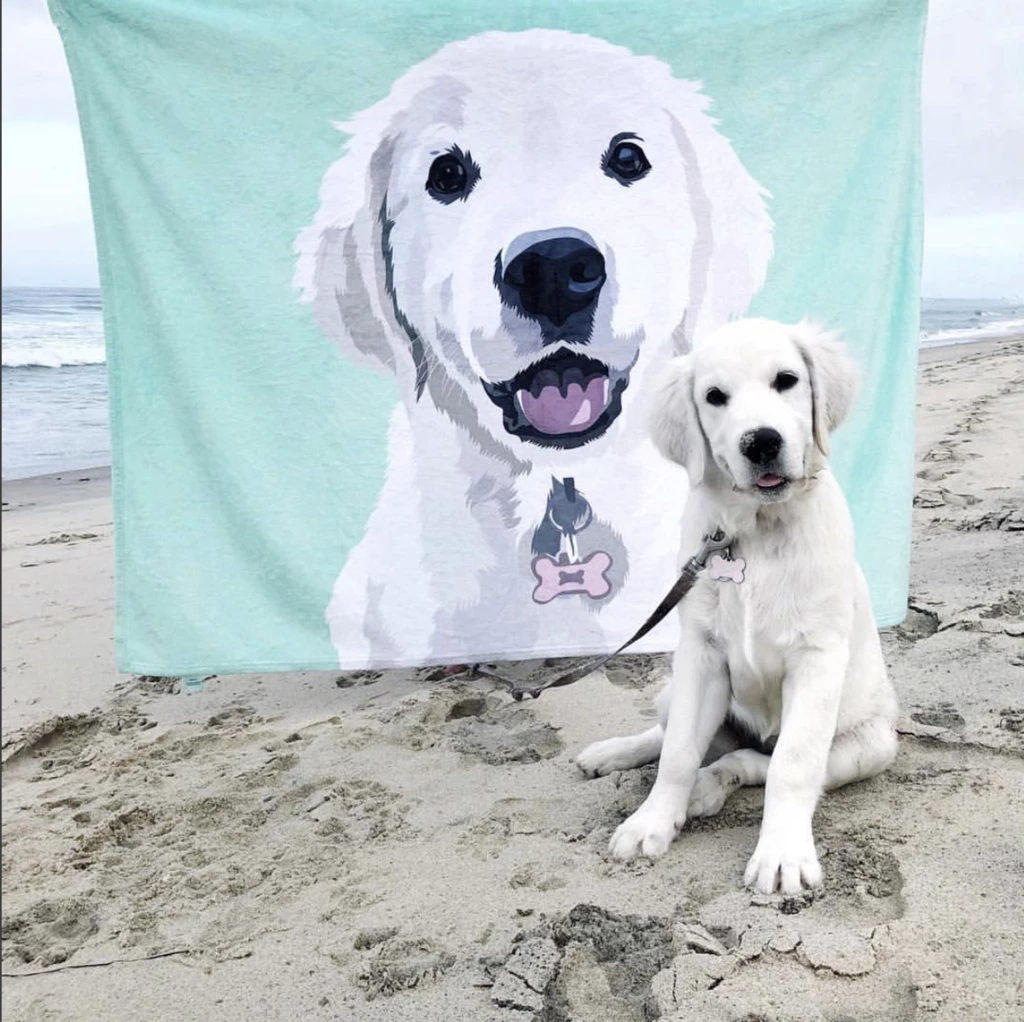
[384, 284]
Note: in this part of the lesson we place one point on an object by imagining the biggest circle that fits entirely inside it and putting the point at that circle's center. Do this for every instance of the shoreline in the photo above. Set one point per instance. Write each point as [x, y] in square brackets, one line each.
[56, 487]
[951, 350]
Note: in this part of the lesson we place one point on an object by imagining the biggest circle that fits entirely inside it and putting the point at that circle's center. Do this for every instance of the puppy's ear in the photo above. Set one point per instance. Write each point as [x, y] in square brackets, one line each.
[673, 421]
[833, 378]
[341, 268]
[733, 241]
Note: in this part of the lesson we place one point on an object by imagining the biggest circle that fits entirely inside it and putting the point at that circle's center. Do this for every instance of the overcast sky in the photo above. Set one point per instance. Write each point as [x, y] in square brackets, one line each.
[973, 152]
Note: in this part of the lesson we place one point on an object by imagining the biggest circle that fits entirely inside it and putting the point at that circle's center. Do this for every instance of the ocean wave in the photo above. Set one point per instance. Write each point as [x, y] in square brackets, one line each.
[52, 356]
[45, 302]
[964, 335]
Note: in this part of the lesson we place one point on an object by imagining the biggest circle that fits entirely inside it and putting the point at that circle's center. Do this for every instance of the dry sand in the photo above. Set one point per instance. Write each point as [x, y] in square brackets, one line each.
[397, 847]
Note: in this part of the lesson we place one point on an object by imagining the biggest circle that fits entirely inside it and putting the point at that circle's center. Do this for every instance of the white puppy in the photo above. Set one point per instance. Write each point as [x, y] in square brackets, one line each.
[782, 643]
[522, 231]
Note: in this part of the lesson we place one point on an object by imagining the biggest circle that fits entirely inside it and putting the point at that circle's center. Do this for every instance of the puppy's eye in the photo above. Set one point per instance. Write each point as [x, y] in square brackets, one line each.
[626, 161]
[716, 397]
[452, 176]
[785, 381]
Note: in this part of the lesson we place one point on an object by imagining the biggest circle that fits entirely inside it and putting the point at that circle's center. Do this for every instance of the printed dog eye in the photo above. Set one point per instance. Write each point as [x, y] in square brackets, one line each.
[452, 176]
[716, 397]
[625, 161]
[785, 381]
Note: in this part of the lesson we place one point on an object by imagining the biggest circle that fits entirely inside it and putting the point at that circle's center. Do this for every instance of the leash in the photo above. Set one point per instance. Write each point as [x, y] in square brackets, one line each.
[693, 567]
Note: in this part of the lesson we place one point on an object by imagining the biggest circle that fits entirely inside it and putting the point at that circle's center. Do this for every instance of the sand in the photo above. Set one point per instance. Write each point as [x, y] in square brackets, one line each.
[393, 846]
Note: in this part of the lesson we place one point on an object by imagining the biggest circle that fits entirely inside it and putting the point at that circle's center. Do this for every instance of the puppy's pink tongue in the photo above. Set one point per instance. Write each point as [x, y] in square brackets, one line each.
[767, 481]
[581, 407]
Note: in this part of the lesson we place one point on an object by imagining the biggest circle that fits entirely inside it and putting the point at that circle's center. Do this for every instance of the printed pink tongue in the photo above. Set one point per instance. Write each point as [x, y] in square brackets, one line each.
[581, 407]
[767, 481]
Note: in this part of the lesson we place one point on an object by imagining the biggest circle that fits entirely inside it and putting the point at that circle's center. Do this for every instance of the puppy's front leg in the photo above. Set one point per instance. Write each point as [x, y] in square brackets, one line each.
[785, 857]
[699, 700]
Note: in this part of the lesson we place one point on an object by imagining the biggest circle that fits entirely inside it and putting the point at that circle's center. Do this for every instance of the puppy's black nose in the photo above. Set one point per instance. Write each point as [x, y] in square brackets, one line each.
[555, 278]
[761, 445]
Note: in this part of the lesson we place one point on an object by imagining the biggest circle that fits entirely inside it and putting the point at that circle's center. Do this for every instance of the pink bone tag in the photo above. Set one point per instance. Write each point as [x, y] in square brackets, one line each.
[587, 576]
[724, 569]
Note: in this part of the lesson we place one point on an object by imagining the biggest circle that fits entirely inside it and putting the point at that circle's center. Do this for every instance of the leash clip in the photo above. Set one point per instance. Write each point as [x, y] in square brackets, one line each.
[711, 544]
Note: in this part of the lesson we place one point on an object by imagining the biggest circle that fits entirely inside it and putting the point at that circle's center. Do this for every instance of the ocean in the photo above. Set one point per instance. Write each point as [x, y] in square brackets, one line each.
[55, 381]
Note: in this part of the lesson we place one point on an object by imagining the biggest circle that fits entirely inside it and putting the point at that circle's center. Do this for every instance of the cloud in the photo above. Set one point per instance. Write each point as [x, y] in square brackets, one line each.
[47, 226]
[980, 255]
[36, 83]
[973, 107]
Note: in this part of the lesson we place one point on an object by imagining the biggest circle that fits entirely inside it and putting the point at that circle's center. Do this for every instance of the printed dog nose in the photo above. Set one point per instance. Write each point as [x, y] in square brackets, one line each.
[761, 445]
[556, 278]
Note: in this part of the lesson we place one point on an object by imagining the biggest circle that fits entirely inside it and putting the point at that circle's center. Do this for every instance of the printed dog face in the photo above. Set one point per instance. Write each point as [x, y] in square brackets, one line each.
[522, 225]
[757, 400]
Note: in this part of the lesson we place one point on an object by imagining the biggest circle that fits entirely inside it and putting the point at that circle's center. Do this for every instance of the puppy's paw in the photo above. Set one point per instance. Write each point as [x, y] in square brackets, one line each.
[605, 757]
[649, 832]
[709, 794]
[785, 864]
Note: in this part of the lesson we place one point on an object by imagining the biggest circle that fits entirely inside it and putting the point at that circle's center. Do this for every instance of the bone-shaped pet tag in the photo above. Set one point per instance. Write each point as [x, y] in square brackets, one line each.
[725, 569]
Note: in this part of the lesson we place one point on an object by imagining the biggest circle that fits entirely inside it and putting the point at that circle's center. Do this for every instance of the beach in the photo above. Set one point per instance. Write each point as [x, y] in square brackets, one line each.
[403, 846]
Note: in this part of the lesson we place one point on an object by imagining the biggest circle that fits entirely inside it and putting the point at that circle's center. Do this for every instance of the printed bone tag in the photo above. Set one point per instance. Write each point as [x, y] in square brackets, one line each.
[588, 576]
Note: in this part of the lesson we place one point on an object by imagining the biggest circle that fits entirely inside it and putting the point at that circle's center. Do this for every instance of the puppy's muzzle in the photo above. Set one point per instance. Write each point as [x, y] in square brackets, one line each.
[762, 447]
[556, 283]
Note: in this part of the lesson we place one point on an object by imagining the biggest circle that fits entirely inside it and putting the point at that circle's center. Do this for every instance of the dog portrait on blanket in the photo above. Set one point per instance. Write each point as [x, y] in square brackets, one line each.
[778, 648]
[524, 231]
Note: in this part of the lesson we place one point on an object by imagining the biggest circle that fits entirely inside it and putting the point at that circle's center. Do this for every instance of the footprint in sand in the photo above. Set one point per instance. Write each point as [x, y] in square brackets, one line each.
[355, 679]
[942, 497]
[394, 964]
[920, 623]
[486, 727]
[65, 537]
[49, 932]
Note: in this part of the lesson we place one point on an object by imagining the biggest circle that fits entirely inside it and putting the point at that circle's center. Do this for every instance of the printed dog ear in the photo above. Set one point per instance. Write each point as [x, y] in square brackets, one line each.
[341, 269]
[674, 424]
[733, 242]
[833, 378]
